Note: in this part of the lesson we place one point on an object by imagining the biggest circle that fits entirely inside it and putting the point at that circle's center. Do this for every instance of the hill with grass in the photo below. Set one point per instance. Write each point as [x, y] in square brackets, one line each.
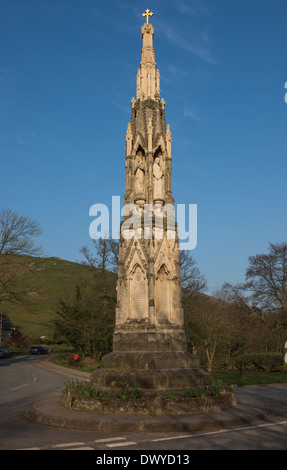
[48, 281]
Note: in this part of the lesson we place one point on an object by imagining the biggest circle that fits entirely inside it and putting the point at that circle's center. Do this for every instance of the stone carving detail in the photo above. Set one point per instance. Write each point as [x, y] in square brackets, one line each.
[162, 295]
[139, 173]
[138, 295]
[158, 178]
[149, 342]
[149, 278]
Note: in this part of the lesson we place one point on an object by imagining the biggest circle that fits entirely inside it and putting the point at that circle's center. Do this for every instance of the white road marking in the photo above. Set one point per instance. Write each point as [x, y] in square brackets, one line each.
[110, 439]
[171, 438]
[27, 384]
[69, 444]
[241, 428]
[19, 386]
[81, 448]
[122, 444]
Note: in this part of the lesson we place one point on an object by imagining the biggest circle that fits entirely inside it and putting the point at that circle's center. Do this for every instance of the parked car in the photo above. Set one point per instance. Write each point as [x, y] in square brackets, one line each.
[4, 353]
[38, 350]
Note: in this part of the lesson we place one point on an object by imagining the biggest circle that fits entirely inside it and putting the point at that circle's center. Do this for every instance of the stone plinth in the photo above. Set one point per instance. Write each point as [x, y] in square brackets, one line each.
[149, 339]
[149, 404]
[150, 371]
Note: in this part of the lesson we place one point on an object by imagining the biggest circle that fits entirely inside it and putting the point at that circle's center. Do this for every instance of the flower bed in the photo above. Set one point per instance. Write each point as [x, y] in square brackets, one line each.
[82, 397]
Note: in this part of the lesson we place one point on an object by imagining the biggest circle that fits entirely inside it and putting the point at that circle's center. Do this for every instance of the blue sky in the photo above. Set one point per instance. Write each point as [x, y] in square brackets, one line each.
[67, 75]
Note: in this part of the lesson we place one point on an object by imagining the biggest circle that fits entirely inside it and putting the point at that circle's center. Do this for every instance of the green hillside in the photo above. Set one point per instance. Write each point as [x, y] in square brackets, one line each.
[50, 279]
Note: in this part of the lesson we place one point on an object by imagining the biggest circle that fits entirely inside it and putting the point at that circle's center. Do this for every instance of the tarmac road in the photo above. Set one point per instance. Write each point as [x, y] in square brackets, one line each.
[23, 381]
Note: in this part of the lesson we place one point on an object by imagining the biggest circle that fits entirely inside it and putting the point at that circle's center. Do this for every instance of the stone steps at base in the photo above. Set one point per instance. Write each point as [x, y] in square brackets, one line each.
[150, 360]
[156, 379]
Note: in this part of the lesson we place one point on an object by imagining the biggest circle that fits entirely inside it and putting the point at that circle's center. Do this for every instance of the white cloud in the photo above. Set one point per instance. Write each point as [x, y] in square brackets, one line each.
[198, 46]
[190, 113]
[195, 7]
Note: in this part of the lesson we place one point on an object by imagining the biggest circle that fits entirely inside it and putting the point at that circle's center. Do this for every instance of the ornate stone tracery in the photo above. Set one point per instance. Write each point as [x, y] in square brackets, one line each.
[149, 314]
[148, 181]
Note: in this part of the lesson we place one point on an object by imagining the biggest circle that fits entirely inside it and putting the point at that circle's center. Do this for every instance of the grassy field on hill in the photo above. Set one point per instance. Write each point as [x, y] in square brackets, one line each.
[53, 279]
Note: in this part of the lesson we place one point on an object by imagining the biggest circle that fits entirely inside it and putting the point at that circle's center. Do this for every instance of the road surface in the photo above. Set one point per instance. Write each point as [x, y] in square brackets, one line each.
[23, 381]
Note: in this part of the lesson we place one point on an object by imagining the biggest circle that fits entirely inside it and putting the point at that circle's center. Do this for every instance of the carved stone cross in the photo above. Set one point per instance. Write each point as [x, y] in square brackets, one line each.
[147, 13]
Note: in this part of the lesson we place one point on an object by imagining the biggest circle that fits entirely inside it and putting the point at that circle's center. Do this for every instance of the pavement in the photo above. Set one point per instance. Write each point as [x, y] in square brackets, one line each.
[49, 412]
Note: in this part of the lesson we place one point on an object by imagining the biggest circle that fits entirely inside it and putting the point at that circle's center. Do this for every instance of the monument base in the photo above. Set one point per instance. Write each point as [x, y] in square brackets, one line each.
[151, 403]
[167, 381]
[149, 358]
[150, 371]
[138, 338]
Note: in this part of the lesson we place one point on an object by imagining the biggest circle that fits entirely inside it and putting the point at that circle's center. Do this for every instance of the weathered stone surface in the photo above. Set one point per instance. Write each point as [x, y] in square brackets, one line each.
[150, 370]
[149, 341]
[150, 360]
[151, 379]
[151, 404]
[149, 315]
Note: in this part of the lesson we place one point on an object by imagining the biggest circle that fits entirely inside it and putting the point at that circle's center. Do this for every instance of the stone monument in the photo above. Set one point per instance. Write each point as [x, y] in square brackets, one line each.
[149, 342]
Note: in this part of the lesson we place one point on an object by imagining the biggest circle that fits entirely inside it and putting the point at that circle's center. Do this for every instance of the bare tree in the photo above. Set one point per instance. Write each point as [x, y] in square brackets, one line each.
[17, 245]
[105, 256]
[265, 286]
[17, 234]
[207, 326]
[99, 260]
[266, 279]
[192, 281]
[114, 254]
[235, 294]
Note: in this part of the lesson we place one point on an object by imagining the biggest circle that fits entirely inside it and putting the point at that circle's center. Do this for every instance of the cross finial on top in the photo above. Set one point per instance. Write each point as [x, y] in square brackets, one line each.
[147, 13]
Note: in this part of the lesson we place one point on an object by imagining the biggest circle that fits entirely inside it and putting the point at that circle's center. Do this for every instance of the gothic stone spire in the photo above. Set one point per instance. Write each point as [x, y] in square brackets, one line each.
[149, 285]
[149, 342]
[148, 78]
[148, 139]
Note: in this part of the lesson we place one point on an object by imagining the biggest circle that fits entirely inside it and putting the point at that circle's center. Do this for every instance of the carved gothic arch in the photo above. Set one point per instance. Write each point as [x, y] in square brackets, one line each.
[135, 256]
[159, 152]
[163, 256]
[139, 143]
[160, 145]
[140, 170]
[137, 293]
[163, 270]
[134, 268]
[163, 295]
[140, 148]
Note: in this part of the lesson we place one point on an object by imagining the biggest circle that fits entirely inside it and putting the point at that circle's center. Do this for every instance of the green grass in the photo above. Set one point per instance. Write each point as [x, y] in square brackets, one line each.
[249, 378]
[227, 377]
[54, 279]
